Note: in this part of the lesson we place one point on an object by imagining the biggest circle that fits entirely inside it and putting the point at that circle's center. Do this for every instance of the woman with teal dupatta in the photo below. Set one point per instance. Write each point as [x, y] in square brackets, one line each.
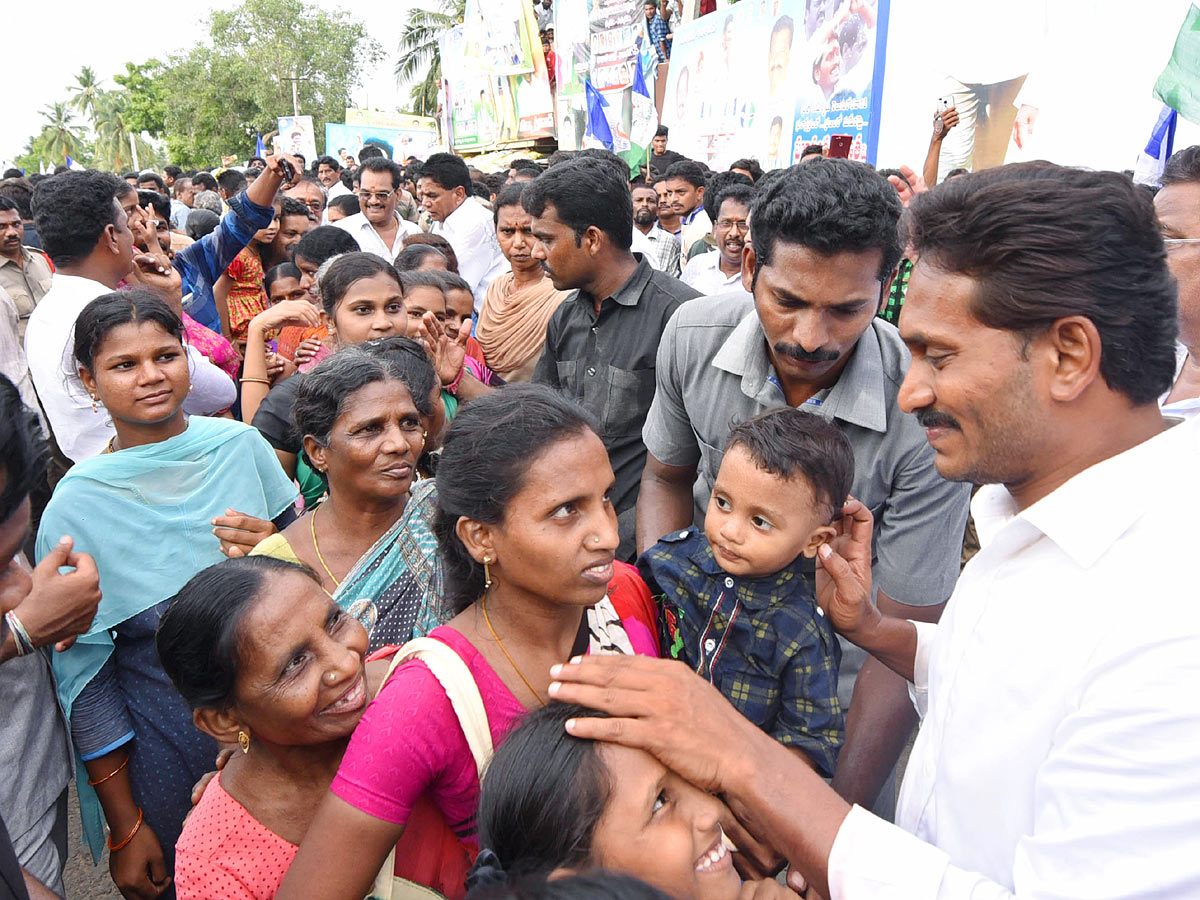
[370, 542]
[144, 510]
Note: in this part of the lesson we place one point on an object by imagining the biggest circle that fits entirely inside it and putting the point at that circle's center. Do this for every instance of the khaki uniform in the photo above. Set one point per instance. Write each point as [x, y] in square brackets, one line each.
[27, 283]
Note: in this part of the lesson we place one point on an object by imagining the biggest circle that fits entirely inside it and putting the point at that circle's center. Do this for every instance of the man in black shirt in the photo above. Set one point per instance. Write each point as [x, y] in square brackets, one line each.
[661, 158]
[602, 342]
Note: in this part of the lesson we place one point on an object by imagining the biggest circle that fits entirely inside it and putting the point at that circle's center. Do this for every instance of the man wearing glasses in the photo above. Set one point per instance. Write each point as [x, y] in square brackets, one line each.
[721, 272]
[379, 229]
[1178, 208]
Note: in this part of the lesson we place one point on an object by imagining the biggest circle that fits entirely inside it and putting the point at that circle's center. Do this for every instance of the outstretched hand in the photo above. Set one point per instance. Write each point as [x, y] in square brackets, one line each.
[907, 189]
[447, 354]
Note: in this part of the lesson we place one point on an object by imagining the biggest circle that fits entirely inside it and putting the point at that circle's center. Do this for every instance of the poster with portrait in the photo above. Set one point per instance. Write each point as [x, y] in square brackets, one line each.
[296, 136]
[418, 138]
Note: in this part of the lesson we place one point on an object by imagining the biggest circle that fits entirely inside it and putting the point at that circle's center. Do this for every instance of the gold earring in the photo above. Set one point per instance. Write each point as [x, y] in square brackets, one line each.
[487, 572]
[95, 404]
[244, 741]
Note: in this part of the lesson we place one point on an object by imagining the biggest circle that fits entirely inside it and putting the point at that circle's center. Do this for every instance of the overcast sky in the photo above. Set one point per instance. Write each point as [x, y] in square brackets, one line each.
[42, 63]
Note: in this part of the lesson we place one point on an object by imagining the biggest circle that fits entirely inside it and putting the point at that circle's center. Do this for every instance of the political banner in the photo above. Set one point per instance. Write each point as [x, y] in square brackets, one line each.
[345, 141]
[762, 79]
[296, 136]
[495, 86]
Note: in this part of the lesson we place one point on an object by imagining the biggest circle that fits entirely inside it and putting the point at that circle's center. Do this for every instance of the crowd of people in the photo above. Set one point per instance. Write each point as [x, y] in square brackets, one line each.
[567, 531]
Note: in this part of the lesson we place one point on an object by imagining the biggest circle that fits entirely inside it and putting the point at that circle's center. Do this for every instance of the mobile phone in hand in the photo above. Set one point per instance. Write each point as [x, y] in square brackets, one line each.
[944, 103]
[839, 146]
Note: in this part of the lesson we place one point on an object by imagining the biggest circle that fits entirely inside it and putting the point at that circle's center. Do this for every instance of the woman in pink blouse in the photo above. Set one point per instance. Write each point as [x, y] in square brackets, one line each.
[527, 535]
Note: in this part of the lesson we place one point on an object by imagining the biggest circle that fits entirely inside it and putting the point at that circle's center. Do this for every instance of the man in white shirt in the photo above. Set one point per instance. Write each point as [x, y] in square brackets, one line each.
[659, 246]
[444, 189]
[1059, 753]
[86, 235]
[329, 173]
[721, 272]
[379, 229]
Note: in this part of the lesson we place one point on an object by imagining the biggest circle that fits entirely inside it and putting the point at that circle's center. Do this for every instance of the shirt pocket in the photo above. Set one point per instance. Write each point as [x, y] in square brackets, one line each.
[630, 392]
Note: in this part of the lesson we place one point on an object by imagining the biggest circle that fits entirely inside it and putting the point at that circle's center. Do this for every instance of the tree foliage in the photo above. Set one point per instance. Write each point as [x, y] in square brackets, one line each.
[420, 58]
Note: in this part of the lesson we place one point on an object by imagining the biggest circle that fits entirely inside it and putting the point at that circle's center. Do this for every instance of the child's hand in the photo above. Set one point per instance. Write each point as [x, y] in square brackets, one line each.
[844, 574]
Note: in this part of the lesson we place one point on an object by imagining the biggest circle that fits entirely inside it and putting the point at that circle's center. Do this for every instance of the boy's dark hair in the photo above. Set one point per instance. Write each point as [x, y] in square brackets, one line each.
[347, 203]
[585, 192]
[691, 172]
[791, 443]
[448, 171]
[830, 207]
[412, 257]
[71, 211]
[1043, 242]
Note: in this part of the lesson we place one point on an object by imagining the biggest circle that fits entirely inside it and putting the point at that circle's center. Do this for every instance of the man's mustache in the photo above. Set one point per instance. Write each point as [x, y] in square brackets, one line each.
[931, 418]
[795, 351]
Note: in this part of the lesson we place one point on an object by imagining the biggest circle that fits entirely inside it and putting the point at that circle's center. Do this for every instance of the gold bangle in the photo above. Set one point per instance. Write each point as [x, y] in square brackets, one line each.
[121, 846]
[255, 380]
[110, 774]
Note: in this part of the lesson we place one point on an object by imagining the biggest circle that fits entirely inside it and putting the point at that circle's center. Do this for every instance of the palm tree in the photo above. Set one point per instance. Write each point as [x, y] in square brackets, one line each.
[419, 50]
[113, 134]
[87, 92]
[62, 136]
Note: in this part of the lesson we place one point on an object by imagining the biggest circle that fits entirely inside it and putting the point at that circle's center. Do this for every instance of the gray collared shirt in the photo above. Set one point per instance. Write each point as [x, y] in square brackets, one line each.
[714, 370]
[606, 363]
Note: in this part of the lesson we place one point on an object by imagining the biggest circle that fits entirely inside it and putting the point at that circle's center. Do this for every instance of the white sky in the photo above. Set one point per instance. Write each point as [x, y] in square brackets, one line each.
[106, 36]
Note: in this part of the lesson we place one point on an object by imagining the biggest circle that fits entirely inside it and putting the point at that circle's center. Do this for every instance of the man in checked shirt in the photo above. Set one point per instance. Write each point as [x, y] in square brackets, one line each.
[737, 602]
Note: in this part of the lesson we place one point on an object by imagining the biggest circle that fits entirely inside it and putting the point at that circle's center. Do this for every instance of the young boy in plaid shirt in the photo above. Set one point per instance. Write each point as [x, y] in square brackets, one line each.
[737, 602]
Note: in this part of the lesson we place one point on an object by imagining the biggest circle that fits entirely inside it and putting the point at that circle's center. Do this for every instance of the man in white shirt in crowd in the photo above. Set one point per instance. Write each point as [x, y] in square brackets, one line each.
[443, 189]
[86, 234]
[379, 229]
[329, 173]
[721, 272]
[659, 246]
[1059, 753]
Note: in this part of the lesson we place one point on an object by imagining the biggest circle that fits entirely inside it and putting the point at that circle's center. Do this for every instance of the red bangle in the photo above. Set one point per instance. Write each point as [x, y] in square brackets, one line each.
[113, 848]
[452, 387]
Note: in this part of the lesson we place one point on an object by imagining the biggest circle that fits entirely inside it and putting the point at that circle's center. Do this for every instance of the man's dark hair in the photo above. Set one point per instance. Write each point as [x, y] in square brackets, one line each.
[347, 203]
[750, 165]
[495, 182]
[585, 192]
[783, 23]
[559, 156]
[691, 172]
[741, 193]
[329, 161]
[717, 184]
[255, 159]
[128, 175]
[381, 164]
[13, 173]
[60, 168]
[812, 150]
[20, 192]
[1182, 167]
[954, 173]
[34, 177]
[789, 442]
[610, 159]
[369, 151]
[7, 205]
[447, 170]
[172, 171]
[481, 190]
[158, 202]
[1043, 242]
[661, 131]
[71, 211]
[22, 453]
[322, 243]
[205, 180]
[290, 206]
[159, 184]
[832, 207]
[231, 181]
[526, 165]
[200, 222]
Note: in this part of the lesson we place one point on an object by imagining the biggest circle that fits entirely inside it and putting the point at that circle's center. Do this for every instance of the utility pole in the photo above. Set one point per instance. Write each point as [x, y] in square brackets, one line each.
[133, 152]
[295, 96]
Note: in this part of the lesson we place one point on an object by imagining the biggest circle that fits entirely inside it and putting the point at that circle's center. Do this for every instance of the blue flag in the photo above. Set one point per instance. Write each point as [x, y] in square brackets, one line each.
[597, 121]
[1150, 162]
[259, 149]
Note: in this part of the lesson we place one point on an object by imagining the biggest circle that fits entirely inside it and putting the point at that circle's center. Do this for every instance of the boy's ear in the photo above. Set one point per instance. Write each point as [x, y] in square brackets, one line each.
[822, 535]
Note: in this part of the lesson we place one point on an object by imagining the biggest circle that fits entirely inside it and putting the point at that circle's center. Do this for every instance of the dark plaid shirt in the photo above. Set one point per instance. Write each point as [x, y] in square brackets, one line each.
[895, 298]
[763, 642]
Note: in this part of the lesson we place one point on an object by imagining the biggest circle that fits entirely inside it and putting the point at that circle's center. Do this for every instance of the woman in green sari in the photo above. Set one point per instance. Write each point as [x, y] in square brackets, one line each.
[365, 414]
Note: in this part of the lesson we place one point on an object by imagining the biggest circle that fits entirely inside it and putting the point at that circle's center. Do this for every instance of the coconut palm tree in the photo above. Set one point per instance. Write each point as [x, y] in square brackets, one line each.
[86, 92]
[113, 134]
[420, 57]
[62, 136]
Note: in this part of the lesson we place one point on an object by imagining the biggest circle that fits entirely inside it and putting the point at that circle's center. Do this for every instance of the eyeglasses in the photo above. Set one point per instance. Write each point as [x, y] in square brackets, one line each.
[1177, 242]
[381, 196]
[741, 225]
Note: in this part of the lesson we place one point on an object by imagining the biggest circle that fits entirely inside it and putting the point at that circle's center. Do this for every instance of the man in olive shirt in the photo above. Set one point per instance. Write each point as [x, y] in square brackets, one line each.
[24, 273]
[601, 343]
[822, 250]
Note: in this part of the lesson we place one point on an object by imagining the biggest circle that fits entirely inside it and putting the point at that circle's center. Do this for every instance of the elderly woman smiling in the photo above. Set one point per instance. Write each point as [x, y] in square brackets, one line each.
[268, 662]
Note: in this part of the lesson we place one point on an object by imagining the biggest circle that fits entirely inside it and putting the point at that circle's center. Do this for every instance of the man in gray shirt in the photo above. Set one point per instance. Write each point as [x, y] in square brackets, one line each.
[823, 247]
